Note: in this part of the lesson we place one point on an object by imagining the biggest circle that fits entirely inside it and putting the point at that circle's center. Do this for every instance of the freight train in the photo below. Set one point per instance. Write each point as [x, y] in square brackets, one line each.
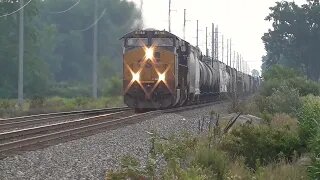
[161, 70]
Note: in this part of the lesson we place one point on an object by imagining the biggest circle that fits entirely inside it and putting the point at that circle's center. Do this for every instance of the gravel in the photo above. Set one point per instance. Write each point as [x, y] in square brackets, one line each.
[92, 157]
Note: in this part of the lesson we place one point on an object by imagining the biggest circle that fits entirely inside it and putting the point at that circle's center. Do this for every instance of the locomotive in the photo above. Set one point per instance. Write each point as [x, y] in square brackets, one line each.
[161, 70]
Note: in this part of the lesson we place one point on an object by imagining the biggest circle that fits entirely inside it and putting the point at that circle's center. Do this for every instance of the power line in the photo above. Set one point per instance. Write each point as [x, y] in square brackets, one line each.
[21, 7]
[60, 12]
[94, 23]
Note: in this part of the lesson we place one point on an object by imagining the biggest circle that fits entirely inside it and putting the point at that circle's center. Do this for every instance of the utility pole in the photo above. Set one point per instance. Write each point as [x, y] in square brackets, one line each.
[234, 60]
[222, 48]
[228, 52]
[230, 45]
[217, 43]
[206, 41]
[21, 53]
[238, 69]
[212, 44]
[197, 33]
[141, 7]
[95, 54]
[184, 23]
[169, 16]
[241, 65]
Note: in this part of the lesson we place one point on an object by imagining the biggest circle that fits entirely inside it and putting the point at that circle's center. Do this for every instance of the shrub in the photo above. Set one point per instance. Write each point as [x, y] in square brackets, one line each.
[37, 103]
[261, 144]
[278, 76]
[113, 86]
[314, 168]
[129, 169]
[238, 170]
[284, 121]
[314, 147]
[280, 171]
[309, 117]
[283, 100]
[213, 161]
[280, 72]
[7, 107]
[304, 86]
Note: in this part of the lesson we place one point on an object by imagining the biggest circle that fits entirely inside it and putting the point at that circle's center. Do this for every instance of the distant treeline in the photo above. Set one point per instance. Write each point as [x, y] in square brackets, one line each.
[59, 45]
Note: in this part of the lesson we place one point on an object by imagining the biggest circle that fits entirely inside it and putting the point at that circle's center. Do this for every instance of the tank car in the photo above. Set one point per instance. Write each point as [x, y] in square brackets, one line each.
[160, 70]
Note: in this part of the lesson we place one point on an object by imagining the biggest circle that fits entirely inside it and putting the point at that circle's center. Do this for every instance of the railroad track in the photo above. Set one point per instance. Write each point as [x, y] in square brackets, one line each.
[34, 120]
[42, 136]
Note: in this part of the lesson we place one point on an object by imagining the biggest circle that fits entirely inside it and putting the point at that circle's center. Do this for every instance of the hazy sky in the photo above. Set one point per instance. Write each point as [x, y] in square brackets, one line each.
[241, 20]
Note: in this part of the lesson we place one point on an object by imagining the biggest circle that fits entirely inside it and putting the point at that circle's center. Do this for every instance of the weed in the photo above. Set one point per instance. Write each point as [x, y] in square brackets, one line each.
[261, 144]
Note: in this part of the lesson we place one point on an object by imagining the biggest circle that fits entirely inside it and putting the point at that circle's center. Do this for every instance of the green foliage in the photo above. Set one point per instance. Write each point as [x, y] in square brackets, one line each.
[129, 168]
[37, 102]
[281, 170]
[56, 104]
[58, 47]
[261, 145]
[314, 146]
[283, 100]
[113, 87]
[280, 72]
[278, 76]
[309, 117]
[213, 161]
[271, 152]
[294, 38]
[176, 148]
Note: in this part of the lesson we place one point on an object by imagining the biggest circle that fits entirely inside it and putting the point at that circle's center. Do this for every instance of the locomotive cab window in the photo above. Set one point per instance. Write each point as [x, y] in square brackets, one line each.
[137, 42]
[162, 41]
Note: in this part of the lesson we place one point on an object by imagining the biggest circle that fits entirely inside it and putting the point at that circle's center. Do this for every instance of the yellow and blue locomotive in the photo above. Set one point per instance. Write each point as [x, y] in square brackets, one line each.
[160, 70]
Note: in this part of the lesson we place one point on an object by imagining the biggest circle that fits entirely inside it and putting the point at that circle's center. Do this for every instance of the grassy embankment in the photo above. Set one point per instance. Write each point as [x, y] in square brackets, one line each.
[8, 108]
[285, 146]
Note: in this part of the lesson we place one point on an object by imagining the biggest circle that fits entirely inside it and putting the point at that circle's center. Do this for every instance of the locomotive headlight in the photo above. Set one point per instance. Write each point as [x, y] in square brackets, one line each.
[162, 77]
[135, 76]
[149, 53]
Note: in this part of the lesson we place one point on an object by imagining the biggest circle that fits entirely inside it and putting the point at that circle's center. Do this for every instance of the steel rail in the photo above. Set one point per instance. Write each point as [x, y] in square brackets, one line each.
[61, 131]
[38, 119]
[23, 118]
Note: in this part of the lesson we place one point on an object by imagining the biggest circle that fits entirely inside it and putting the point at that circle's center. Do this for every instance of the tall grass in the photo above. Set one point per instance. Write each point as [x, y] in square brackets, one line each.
[9, 108]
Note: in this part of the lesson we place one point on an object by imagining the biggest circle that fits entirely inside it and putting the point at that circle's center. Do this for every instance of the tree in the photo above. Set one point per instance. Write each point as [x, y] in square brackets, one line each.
[35, 73]
[295, 36]
[255, 73]
[71, 51]
[58, 44]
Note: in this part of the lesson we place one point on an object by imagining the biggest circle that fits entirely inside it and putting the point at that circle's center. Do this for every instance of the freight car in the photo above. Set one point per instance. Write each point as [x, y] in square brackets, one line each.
[160, 70]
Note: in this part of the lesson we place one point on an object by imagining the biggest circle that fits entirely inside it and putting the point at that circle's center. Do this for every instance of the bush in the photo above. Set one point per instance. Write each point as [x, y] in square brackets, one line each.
[304, 86]
[278, 76]
[129, 169]
[37, 103]
[283, 100]
[261, 145]
[113, 87]
[314, 168]
[280, 72]
[314, 147]
[284, 121]
[309, 117]
[282, 170]
[238, 170]
[213, 161]
[7, 107]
